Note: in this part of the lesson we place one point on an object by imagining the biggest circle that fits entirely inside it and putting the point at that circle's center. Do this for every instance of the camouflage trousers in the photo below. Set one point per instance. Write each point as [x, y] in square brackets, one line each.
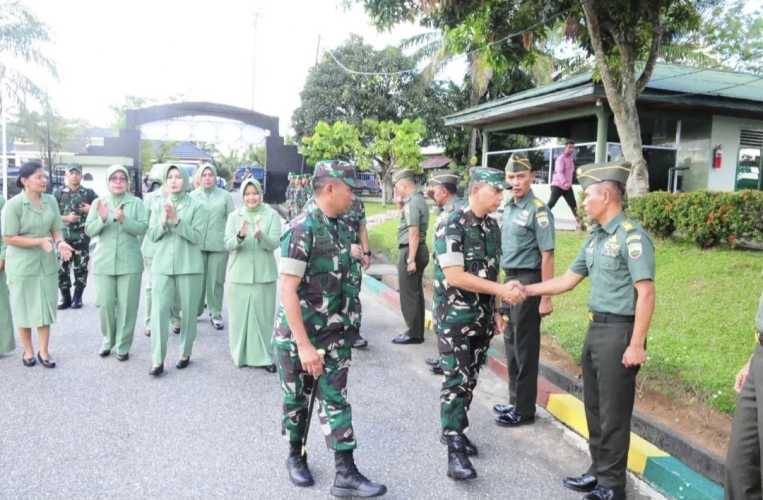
[78, 263]
[352, 293]
[334, 411]
[461, 357]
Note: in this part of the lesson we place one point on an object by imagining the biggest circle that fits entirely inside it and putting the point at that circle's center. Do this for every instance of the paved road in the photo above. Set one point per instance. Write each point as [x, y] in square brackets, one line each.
[97, 428]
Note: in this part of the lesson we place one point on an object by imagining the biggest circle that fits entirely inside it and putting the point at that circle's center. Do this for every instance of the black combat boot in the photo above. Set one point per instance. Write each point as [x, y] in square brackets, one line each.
[299, 474]
[66, 299]
[77, 298]
[459, 465]
[349, 482]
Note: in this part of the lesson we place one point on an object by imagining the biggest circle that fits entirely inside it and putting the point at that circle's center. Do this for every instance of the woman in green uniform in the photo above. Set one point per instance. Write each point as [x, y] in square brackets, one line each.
[219, 203]
[252, 234]
[176, 227]
[7, 342]
[32, 232]
[119, 220]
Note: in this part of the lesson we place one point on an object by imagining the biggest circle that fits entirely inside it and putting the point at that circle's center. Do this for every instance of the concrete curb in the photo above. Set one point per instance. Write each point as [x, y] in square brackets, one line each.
[664, 472]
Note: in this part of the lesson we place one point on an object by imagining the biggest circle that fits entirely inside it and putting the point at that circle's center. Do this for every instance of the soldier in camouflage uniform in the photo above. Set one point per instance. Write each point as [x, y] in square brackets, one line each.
[290, 192]
[443, 189]
[74, 202]
[355, 220]
[467, 249]
[312, 351]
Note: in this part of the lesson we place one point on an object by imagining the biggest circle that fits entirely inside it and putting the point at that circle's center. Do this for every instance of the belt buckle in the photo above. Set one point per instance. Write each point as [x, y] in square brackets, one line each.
[590, 316]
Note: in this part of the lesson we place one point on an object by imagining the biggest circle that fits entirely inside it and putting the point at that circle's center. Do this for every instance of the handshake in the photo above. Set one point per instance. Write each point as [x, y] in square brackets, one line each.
[513, 292]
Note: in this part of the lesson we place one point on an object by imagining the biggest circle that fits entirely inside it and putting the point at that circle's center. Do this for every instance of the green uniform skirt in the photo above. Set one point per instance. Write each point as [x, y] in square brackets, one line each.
[7, 342]
[33, 299]
[251, 309]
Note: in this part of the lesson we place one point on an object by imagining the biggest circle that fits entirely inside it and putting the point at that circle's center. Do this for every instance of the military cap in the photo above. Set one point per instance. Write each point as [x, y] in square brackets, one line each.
[335, 169]
[73, 166]
[406, 173]
[615, 171]
[491, 176]
[444, 177]
[518, 163]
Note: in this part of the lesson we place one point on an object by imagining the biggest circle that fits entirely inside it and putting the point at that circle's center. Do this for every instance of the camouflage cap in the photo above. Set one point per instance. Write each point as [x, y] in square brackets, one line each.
[491, 176]
[406, 173]
[518, 162]
[615, 171]
[443, 177]
[335, 169]
[73, 166]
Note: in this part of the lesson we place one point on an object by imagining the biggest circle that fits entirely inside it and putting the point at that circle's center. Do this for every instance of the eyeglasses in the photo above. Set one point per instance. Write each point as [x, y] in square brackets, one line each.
[118, 179]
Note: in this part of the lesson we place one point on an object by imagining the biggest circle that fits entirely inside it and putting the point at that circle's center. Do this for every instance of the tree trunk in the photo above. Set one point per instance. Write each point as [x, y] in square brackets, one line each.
[472, 146]
[629, 130]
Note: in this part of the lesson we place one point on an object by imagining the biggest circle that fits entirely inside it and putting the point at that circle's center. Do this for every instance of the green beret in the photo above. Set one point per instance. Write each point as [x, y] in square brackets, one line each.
[491, 176]
[404, 174]
[615, 171]
[336, 169]
[518, 163]
[444, 177]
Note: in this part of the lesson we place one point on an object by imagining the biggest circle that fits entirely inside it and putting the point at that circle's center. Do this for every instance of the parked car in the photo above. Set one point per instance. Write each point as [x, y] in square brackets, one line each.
[246, 171]
[367, 184]
[13, 174]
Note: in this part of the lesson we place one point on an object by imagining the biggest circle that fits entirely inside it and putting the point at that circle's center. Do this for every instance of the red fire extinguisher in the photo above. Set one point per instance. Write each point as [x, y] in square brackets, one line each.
[717, 157]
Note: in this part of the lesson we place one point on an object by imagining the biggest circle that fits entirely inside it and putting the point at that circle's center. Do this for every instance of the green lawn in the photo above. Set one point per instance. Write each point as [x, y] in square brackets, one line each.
[375, 207]
[703, 328]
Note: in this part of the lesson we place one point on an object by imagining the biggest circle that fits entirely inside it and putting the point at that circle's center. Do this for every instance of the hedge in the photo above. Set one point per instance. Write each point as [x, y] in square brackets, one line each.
[707, 218]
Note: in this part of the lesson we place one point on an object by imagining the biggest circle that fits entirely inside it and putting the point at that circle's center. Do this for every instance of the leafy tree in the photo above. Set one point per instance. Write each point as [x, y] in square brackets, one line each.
[339, 141]
[48, 130]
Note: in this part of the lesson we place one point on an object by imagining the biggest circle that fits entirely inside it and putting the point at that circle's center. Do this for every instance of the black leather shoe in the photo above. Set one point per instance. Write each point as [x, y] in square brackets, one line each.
[603, 493]
[405, 339]
[299, 474]
[47, 363]
[28, 362]
[459, 466]
[513, 419]
[359, 343]
[501, 408]
[270, 368]
[66, 299]
[437, 370]
[156, 370]
[182, 363]
[585, 482]
[349, 482]
[432, 361]
[216, 324]
[104, 352]
[147, 332]
[176, 330]
[471, 450]
[123, 357]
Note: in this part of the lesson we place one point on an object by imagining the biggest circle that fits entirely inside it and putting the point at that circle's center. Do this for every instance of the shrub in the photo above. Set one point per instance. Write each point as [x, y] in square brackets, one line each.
[654, 210]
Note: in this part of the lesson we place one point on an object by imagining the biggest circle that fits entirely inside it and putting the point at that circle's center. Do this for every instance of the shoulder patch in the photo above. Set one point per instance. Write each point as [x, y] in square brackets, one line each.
[634, 250]
[633, 237]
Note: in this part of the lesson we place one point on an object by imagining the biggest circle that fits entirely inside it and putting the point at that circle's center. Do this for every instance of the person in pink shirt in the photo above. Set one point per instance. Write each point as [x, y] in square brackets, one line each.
[561, 182]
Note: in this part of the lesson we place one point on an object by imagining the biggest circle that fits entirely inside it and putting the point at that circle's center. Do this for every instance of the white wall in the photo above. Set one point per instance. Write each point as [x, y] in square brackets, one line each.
[725, 132]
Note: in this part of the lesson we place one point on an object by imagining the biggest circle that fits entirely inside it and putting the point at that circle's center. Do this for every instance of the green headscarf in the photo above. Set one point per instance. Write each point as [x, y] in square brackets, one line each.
[253, 182]
[207, 166]
[176, 197]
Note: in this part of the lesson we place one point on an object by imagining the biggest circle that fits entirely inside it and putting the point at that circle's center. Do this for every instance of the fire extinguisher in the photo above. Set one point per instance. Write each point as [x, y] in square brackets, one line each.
[717, 157]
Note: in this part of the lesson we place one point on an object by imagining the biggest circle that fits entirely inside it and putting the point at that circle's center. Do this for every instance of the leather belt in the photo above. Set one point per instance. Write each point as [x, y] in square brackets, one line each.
[598, 317]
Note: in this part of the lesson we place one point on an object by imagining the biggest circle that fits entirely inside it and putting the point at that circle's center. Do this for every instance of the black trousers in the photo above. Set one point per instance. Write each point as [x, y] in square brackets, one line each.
[569, 197]
[412, 290]
[522, 341]
[609, 389]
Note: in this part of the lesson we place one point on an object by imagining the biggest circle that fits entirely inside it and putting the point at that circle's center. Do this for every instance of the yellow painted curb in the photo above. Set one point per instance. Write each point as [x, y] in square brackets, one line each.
[570, 411]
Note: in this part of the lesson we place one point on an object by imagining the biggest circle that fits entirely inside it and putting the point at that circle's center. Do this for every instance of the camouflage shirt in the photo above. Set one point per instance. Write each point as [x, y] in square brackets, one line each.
[316, 249]
[69, 202]
[464, 240]
[354, 218]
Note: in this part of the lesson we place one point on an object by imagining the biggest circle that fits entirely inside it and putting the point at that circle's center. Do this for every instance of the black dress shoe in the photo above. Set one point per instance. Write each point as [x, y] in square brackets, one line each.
[104, 352]
[47, 363]
[437, 370]
[513, 419]
[432, 361]
[28, 362]
[584, 482]
[182, 363]
[123, 357]
[270, 368]
[176, 330]
[603, 493]
[147, 332]
[501, 408]
[471, 449]
[156, 370]
[216, 324]
[405, 339]
[359, 343]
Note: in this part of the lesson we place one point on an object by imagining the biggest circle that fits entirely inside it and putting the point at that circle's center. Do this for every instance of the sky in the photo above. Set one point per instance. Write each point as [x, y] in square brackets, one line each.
[202, 50]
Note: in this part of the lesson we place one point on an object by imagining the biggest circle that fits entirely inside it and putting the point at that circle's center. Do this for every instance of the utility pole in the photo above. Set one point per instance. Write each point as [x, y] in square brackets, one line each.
[4, 119]
[317, 50]
[257, 16]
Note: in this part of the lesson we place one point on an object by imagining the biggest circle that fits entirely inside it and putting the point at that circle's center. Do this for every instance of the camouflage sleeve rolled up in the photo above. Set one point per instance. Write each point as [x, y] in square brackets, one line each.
[296, 245]
[449, 242]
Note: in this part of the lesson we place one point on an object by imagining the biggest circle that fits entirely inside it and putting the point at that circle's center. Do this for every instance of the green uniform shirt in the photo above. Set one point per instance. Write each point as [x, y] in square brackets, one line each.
[415, 213]
[218, 204]
[118, 249]
[151, 201]
[69, 202]
[615, 256]
[527, 229]
[177, 248]
[759, 319]
[22, 218]
[2, 240]
[251, 260]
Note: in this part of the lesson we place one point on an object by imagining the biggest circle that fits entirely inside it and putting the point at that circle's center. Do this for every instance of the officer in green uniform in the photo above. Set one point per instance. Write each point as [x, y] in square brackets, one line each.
[442, 188]
[310, 342]
[467, 255]
[218, 203]
[527, 255]
[414, 255]
[7, 341]
[743, 471]
[74, 202]
[619, 258]
[119, 221]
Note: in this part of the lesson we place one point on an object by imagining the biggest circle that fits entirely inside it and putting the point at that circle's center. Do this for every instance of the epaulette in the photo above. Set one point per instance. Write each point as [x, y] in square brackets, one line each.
[628, 225]
[538, 203]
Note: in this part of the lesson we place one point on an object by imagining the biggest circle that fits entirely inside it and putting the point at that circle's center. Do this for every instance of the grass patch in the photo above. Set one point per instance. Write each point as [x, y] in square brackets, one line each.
[376, 207]
[704, 323]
